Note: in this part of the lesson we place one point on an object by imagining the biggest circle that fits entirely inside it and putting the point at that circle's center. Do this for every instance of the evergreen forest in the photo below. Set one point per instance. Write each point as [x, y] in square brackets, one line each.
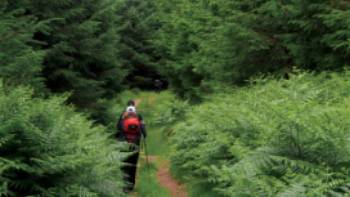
[241, 98]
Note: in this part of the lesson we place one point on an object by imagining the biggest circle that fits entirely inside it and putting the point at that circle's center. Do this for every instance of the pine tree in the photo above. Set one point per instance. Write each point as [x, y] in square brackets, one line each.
[137, 25]
[323, 36]
[210, 43]
[19, 62]
[81, 43]
[177, 42]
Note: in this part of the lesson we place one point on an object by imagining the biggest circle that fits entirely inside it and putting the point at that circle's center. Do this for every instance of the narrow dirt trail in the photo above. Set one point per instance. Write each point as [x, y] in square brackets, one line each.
[162, 174]
[165, 179]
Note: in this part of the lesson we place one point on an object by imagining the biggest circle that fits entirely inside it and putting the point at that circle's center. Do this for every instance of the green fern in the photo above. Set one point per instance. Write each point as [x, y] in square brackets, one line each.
[48, 149]
[276, 137]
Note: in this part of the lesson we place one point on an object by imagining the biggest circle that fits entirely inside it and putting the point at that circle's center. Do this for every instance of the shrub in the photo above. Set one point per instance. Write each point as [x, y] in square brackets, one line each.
[47, 149]
[273, 138]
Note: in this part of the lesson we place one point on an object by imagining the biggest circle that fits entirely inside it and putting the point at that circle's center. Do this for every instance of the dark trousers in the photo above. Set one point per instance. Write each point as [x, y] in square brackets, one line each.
[130, 167]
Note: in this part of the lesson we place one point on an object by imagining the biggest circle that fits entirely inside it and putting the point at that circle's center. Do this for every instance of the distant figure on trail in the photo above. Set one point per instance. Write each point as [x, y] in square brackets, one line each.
[130, 128]
[158, 84]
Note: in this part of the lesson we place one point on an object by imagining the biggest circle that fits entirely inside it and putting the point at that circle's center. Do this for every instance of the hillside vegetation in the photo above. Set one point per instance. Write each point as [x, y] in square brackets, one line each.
[257, 100]
[47, 149]
[213, 42]
[272, 138]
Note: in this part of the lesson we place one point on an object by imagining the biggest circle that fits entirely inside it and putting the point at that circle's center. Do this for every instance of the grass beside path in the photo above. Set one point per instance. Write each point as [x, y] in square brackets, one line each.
[147, 184]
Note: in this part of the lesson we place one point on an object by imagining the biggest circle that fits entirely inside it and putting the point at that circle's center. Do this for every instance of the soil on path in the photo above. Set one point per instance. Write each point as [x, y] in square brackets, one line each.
[166, 180]
[163, 173]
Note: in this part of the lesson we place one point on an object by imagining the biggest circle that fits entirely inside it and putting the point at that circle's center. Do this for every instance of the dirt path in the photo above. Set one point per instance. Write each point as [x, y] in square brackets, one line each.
[163, 175]
[166, 180]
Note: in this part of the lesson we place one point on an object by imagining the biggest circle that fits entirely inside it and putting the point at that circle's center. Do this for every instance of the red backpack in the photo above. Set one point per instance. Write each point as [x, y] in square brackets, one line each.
[132, 127]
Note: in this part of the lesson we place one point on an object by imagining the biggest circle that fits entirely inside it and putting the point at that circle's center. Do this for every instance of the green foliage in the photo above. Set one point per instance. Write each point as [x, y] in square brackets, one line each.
[285, 137]
[227, 42]
[47, 149]
[136, 26]
[161, 110]
[19, 62]
[164, 109]
[183, 27]
[275, 137]
[148, 185]
[70, 45]
[81, 43]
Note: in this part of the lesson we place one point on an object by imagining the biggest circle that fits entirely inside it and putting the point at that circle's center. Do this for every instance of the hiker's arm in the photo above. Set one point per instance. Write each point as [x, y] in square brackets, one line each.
[119, 126]
[120, 123]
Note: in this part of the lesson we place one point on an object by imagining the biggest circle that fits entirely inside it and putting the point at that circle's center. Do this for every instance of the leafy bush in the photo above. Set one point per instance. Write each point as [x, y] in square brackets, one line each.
[47, 149]
[273, 138]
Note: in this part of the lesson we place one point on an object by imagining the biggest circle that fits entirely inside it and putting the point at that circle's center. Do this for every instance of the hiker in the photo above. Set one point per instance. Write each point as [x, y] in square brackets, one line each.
[158, 84]
[130, 128]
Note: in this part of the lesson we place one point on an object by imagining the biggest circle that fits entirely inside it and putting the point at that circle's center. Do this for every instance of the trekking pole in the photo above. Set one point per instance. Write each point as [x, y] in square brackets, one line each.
[146, 153]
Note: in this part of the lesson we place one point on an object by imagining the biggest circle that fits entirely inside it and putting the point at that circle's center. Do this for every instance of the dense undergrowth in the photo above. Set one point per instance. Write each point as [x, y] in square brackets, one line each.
[47, 149]
[272, 138]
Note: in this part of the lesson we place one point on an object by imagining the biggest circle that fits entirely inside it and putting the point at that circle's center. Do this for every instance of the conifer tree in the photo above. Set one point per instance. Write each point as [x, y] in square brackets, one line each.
[81, 43]
[19, 62]
[137, 24]
[210, 43]
[177, 42]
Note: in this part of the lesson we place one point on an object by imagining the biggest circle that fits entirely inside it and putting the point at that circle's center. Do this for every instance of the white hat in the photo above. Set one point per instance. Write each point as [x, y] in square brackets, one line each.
[131, 109]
